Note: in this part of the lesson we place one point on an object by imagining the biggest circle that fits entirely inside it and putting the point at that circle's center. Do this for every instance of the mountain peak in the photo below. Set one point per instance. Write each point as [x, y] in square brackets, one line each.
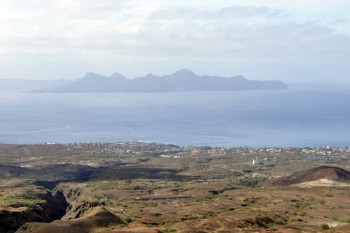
[184, 72]
[91, 75]
[117, 75]
[151, 75]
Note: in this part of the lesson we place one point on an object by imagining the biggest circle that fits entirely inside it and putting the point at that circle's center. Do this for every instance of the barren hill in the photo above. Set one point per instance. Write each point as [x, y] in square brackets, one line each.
[314, 174]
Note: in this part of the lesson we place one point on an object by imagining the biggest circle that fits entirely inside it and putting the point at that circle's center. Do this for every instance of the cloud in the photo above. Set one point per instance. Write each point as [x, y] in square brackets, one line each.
[223, 30]
[175, 31]
[247, 12]
[227, 13]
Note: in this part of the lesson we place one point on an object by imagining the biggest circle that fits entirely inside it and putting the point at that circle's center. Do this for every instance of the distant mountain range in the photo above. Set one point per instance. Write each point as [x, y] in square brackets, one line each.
[180, 81]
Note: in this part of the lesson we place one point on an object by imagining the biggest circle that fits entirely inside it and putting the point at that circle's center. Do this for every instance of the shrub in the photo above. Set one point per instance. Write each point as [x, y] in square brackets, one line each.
[324, 227]
[166, 231]
[252, 181]
[127, 220]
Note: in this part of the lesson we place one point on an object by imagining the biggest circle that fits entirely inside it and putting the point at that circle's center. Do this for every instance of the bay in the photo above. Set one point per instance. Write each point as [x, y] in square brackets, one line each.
[299, 117]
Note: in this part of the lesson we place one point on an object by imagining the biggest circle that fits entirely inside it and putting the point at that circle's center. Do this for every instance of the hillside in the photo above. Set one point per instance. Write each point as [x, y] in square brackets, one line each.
[152, 187]
[96, 218]
[315, 174]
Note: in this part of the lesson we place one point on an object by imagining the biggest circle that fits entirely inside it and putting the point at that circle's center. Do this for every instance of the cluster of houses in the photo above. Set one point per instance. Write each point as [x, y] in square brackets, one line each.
[173, 151]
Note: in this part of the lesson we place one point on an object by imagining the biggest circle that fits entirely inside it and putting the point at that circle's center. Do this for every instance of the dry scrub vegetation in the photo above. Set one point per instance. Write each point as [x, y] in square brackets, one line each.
[139, 191]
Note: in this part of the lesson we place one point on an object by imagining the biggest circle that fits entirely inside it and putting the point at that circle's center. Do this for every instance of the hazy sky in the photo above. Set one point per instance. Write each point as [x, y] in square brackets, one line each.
[297, 41]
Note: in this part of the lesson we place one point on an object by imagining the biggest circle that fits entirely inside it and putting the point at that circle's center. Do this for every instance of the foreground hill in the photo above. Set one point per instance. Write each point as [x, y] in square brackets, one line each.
[182, 80]
[152, 187]
[322, 174]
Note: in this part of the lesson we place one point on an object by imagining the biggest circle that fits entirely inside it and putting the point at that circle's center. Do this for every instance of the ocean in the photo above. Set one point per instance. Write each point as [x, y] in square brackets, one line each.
[298, 118]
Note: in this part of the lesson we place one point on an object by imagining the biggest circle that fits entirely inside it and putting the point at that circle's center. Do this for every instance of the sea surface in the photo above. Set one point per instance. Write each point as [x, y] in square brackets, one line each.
[300, 117]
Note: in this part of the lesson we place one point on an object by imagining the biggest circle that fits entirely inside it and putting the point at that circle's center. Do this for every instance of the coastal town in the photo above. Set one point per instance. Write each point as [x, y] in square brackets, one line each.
[169, 150]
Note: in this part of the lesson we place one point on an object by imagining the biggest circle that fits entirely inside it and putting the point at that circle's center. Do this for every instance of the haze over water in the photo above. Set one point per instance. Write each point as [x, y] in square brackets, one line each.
[249, 118]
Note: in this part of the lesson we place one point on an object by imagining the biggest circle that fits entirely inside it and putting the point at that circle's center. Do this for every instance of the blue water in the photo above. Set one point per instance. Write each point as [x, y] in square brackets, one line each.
[249, 118]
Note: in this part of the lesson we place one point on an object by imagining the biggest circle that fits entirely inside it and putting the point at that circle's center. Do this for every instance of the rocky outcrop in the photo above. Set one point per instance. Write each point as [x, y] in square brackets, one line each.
[78, 205]
[37, 206]
[77, 209]
[52, 206]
